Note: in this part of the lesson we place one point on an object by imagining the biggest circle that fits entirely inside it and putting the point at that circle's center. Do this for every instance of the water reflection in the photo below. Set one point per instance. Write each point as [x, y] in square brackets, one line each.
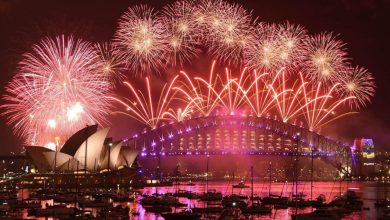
[368, 192]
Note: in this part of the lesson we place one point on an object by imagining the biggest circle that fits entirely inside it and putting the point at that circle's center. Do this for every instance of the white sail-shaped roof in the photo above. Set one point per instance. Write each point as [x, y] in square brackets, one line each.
[60, 160]
[94, 145]
[127, 157]
[114, 155]
[71, 165]
[35, 153]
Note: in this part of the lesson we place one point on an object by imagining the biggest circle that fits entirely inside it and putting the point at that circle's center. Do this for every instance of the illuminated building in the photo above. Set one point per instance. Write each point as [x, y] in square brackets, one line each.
[71, 157]
[364, 153]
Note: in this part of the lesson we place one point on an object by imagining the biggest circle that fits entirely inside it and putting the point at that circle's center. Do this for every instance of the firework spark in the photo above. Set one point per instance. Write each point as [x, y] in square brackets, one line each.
[140, 106]
[59, 88]
[320, 109]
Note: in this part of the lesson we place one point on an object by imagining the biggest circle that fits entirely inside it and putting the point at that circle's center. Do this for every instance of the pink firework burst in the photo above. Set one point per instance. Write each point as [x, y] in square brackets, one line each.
[58, 89]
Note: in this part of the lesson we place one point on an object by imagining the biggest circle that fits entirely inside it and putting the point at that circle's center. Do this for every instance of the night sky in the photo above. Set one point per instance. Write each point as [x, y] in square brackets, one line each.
[362, 24]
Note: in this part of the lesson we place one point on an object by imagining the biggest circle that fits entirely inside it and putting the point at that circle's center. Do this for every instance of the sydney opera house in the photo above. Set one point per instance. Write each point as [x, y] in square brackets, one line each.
[88, 152]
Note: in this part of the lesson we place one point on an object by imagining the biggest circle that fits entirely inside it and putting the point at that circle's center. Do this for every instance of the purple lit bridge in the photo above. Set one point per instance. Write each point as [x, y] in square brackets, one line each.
[221, 135]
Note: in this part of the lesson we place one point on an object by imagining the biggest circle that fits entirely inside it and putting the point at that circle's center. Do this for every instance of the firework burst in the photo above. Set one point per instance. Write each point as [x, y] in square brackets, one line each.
[111, 61]
[141, 40]
[183, 33]
[357, 82]
[263, 54]
[59, 88]
[290, 45]
[230, 30]
[325, 58]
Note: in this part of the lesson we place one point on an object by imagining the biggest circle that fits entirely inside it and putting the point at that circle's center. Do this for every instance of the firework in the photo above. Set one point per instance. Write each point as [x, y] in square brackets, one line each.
[111, 61]
[59, 88]
[287, 99]
[141, 40]
[290, 45]
[263, 53]
[63, 84]
[206, 96]
[320, 109]
[357, 82]
[230, 30]
[182, 33]
[179, 114]
[139, 104]
[325, 58]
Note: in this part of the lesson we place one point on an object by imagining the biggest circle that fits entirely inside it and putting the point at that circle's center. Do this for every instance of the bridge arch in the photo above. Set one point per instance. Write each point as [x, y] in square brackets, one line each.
[231, 134]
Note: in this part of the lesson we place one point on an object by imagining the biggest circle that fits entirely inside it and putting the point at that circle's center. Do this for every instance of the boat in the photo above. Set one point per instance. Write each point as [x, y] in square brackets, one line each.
[349, 201]
[187, 194]
[96, 203]
[257, 209]
[319, 214]
[186, 214]
[122, 198]
[55, 210]
[240, 185]
[114, 213]
[210, 209]
[158, 209]
[25, 204]
[232, 201]
[319, 202]
[166, 200]
[230, 214]
[274, 200]
[299, 202]
[65, 199]
[211, 196]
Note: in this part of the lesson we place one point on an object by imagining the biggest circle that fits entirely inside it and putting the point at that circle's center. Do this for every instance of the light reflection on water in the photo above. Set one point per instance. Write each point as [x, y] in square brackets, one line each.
[368, 192]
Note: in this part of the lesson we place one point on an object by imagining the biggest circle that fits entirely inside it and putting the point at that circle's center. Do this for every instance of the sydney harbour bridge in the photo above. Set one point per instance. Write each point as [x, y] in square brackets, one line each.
[232, 134]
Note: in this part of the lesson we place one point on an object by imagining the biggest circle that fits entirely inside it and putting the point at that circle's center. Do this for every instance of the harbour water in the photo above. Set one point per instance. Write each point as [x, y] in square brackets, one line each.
[368, 193]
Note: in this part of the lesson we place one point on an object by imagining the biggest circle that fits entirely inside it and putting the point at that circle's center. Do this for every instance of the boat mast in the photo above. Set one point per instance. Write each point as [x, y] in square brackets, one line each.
[270, 178]
[207, 173]
[233, 183]
[86, 147]
[311, 176]
[252, 185]
[296, 174]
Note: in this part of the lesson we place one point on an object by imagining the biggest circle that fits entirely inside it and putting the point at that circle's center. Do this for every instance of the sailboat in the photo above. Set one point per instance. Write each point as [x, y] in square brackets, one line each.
[256, 208]
[273, 199]
[186, 214]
